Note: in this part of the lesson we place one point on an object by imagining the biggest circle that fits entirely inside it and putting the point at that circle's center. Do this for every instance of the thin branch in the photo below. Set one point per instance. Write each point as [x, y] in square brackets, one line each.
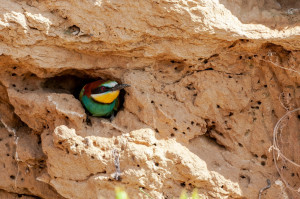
[16, 139]
[264, 188]
[275, 149]
[281, 66]
[116, 156]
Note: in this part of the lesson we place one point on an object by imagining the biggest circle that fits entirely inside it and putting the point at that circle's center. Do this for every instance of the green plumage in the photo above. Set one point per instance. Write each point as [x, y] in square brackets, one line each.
[101, 98]
[96, 108]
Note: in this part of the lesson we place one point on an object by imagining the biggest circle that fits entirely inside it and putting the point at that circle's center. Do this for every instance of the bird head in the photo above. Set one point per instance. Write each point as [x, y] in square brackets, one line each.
[107, 92]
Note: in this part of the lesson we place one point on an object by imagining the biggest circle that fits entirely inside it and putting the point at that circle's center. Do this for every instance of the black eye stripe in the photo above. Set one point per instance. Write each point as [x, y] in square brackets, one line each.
[100, 89]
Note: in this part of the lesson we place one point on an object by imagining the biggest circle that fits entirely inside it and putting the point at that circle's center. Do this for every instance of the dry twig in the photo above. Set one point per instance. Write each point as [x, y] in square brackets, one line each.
[276, 151]
[264, 188]
[116, 156]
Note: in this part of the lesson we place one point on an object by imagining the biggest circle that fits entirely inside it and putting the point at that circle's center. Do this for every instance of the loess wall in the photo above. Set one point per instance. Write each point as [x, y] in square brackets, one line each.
[209, 81]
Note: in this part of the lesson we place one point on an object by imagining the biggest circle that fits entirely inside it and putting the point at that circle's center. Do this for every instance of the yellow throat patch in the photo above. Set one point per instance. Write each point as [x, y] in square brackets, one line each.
[106, 98]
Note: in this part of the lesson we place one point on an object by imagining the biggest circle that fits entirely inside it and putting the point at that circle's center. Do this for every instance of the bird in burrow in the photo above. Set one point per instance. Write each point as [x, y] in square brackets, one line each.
[101, 98]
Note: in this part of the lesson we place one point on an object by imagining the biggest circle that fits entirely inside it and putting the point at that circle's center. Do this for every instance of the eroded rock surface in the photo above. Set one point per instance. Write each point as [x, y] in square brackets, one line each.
[209, 80]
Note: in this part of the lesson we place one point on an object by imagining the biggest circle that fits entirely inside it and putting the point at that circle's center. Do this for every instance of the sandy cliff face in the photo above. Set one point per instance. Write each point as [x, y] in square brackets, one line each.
[209, 80]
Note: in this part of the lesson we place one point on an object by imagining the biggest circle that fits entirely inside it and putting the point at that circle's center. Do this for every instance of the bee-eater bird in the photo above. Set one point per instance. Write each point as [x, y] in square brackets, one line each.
[101, 98]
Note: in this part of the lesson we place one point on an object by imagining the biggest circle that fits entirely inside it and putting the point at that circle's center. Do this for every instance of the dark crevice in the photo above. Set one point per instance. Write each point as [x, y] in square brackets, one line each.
[211, 127]
[233, 44]
[22, 194]
[70, 84]
[174, 61]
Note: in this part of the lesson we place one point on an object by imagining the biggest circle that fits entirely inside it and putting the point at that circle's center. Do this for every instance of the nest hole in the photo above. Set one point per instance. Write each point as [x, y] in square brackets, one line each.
[264, 157]
[71, 82]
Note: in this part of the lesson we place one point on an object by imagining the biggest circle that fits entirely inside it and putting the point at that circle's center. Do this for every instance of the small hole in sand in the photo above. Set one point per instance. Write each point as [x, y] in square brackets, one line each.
[264, 157]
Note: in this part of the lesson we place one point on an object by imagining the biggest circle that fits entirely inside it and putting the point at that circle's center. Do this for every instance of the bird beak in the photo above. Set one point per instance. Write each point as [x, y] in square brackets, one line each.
[119, 87]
